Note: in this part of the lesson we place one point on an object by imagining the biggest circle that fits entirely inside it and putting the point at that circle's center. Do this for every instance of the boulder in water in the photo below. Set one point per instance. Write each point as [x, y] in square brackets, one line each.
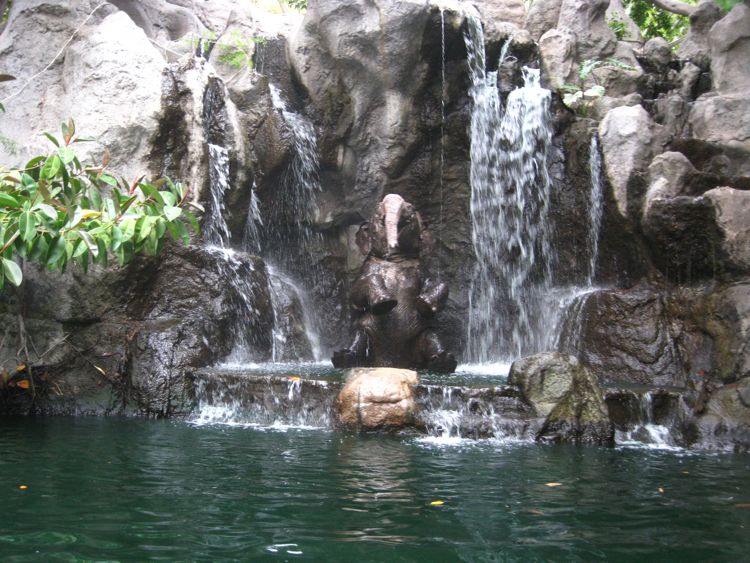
[564, 391]
[377, 398]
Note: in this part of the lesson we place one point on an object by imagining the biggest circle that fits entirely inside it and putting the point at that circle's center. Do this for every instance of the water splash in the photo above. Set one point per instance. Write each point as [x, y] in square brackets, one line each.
[510, 201]
[273, 403]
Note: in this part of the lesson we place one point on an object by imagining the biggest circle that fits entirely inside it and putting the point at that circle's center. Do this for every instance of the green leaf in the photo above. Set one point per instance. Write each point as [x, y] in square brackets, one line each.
[47, 210]
[89, 240]
[12, 272]
[171, 213]
[80, 248]
[150, 191]
[66, 154]
[101, 257]
[8, 201]
[51, 167]
[56, 252]
[52, 139]
[193, 221]
[146, 226]
[74, 218]
[169, 198]
[128, 229]
[107, 179]
[27, 225]
[116, 237]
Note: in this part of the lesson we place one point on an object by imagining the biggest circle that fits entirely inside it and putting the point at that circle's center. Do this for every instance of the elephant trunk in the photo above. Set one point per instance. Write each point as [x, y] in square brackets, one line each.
[392, 205]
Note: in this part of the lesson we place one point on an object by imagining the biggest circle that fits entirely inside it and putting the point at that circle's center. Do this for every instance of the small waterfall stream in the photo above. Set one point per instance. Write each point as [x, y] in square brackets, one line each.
[510, 200]
[596, 207]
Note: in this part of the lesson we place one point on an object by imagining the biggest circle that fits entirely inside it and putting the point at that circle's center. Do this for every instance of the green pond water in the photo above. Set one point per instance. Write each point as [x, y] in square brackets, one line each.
[132, 490]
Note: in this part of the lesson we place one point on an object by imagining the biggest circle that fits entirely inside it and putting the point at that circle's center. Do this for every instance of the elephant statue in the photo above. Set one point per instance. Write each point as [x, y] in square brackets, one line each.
[393, 306]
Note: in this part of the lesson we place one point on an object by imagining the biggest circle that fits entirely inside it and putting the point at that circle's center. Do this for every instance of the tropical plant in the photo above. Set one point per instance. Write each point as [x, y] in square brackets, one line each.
[617, 24]
[657, 22]
[56, 211]
[579, 96]
[236, 49]
[300, 5]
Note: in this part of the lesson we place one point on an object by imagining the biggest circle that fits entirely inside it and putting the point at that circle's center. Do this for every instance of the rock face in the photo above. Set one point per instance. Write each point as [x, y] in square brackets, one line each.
[627, 134]
[725, 422]
[382, 89]
[377, 398]
[124, 339]
[372, 76]
[567, 395]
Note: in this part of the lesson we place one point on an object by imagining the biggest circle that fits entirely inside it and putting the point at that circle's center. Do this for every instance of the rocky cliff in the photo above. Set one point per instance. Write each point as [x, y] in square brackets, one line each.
[383, 87]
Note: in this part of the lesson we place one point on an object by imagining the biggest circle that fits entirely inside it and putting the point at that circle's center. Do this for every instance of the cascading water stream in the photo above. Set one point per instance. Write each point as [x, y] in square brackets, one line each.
[301, 181]
[596, 207]
[288, 227]
[510, 203]
[568, 325]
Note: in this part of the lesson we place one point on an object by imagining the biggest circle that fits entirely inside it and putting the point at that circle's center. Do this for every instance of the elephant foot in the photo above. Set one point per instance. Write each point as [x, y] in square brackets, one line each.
[442, 362]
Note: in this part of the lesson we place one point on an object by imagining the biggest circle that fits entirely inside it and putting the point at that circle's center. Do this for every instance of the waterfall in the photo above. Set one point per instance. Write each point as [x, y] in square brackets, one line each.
[215, 229]
[252, 232]
[596, 207]
[510, 200]
[294, 338]
[288, 239]
[235, 269]
[296, 203]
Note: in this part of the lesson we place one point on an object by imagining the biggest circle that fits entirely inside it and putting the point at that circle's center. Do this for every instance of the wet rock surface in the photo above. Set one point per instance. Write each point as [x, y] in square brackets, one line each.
[384, 85]
[566, 395]
[377, 398]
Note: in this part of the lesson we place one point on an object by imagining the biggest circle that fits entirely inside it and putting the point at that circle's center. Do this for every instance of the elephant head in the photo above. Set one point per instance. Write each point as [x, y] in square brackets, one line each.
[395, 228]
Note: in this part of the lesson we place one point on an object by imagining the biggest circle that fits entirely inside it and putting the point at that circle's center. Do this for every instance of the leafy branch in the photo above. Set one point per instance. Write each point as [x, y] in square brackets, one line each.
[55, 211]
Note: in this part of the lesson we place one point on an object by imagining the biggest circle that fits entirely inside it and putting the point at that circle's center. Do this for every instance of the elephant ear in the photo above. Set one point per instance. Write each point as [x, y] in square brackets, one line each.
[363, 238]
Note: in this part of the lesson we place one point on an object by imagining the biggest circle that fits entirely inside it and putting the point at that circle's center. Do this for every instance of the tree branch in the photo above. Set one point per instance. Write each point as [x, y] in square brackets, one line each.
[674, 6]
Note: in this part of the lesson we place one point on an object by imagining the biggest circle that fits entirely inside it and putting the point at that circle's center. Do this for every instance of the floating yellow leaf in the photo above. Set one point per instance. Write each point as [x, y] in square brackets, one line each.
[20, 367]
[23, 487]
[661, 490]
[437, 503]
[553, 484]
[100, 370]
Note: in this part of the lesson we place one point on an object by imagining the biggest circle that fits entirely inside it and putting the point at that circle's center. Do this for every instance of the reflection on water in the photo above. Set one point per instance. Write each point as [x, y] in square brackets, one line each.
[131, 490]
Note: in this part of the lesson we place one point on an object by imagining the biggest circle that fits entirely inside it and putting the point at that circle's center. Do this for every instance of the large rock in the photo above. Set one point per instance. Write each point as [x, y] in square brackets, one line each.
[542, 17]
[511, 11]
[725, 121]
[691, 238]
[627, 134]
[377, 398]
[557, 48]
[695, 46]
[123, 340]
[730, 51]
[733, 221]
[725, 421]
[567, 394]
[626, 337]
[108, 80]
[586, 18]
